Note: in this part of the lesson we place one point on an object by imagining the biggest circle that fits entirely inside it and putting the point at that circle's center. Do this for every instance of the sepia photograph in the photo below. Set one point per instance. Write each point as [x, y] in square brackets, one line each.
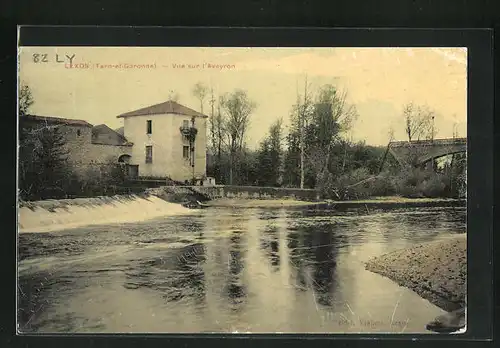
[242, 190]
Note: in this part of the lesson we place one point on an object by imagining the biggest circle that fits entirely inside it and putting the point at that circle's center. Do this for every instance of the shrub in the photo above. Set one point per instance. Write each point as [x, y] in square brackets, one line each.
[352, 185]
[383, 185]
[433, 186]
[359, 184]
[420, 183]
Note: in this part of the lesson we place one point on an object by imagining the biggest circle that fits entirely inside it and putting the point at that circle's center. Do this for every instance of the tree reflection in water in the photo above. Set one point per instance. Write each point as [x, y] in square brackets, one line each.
[270, 245]
[324, 267]
[313, 255]
[270, 238]
[235, 289]
[296, 259]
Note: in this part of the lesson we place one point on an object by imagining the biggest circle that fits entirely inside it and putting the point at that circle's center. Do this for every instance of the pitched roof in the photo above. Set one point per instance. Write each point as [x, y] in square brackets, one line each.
[54, 120]
[102, 134]
[168, 107]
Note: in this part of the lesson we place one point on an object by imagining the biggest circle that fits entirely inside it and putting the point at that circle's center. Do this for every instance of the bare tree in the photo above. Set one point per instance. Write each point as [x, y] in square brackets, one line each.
[419, 122]
[238, 108]
[217, 131]
[303, 115]
[211, 121]
[200, 91]
[300, 119]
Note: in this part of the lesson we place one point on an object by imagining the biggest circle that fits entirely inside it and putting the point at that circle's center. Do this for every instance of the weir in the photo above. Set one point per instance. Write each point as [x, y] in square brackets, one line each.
[53, 215]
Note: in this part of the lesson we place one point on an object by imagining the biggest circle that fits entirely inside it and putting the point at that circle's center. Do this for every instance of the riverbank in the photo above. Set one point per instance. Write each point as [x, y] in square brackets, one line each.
[53, 215]
[437, 271]
[398, 202]
[372, 203]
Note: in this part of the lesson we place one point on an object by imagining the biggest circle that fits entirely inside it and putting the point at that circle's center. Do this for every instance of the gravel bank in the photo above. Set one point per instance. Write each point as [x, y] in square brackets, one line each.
[436, 271]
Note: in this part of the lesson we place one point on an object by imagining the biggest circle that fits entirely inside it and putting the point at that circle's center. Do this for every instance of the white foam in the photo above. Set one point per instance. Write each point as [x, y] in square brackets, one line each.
[97, 211]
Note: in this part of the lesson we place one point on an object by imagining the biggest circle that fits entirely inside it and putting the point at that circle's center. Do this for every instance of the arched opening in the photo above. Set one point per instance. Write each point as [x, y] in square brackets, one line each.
[124, 159]
[131, 171]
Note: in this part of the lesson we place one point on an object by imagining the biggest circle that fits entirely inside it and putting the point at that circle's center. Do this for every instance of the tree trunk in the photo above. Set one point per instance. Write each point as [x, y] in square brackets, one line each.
[345, 155]
[384, 158]
[231, 169]
[301, 164]
[301, 125]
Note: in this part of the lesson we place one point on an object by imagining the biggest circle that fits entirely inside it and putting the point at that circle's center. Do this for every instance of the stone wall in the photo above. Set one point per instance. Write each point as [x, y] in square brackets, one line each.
[84, 156]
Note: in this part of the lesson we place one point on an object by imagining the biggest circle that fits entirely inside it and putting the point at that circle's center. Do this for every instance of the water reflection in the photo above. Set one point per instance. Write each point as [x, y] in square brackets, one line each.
[235, 287]
[261, 270]
[296, 247]
[324, 267]
[313, 253]
[270, 239]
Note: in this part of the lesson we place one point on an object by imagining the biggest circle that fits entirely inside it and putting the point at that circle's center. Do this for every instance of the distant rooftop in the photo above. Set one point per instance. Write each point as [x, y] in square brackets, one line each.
[120, 131]
[102, 134]
[168, 107]
[55, 120]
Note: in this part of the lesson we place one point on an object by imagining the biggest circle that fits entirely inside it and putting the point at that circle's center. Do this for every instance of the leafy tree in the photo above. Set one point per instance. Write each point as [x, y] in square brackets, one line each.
[43, 163]
[265, 163]
[43, 169]
[25, 99]
[270, 156]
[276, 152]
[292, 162]
[332, 115]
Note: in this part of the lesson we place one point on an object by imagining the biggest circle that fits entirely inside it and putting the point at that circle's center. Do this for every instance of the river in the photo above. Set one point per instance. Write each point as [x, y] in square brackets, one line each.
[227, 269]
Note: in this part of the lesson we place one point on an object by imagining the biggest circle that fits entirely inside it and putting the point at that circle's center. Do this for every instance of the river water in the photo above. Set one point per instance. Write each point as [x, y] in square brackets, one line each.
[227, 269]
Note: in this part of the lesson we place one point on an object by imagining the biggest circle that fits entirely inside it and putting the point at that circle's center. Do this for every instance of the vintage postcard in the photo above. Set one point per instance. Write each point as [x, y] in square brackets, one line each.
[230, 190]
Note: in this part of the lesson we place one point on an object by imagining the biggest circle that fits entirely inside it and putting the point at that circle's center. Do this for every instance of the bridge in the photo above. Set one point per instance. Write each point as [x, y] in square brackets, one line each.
[422, 151]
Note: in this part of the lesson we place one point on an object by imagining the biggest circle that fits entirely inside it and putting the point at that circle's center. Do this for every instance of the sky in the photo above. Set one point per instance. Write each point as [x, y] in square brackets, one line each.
[378, 81]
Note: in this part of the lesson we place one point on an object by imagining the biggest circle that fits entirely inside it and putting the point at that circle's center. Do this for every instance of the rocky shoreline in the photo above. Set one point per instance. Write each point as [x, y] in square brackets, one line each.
[437, 271]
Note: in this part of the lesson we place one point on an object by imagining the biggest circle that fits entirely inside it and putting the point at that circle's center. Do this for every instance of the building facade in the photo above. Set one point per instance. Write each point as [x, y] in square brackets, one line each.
[163, 146]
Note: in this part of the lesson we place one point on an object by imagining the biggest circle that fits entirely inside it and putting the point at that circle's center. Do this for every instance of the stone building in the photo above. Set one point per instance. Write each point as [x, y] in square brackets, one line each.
[154, 142]
[88, 147]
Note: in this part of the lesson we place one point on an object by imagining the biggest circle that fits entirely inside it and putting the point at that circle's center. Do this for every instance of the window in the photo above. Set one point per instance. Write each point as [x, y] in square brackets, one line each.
[78, 133]
[185, 152]
[185, 124]
[149, 124]
[149, 154]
